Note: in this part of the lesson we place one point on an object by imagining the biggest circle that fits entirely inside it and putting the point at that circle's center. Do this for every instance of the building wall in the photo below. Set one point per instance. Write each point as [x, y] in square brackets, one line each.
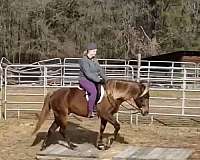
[181, 56]
[195, 59]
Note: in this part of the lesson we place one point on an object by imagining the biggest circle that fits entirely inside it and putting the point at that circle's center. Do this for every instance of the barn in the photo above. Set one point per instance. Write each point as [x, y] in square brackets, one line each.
[171, 69]
[179, 56]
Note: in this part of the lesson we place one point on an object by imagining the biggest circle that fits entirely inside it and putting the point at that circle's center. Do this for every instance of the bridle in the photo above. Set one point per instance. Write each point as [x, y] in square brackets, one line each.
[134, 106]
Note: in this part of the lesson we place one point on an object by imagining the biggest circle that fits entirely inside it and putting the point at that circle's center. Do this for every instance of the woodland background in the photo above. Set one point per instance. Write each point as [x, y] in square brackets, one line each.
[32, 30]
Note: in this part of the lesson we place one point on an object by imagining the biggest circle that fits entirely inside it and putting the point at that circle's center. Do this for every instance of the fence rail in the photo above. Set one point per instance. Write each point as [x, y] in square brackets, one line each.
[174, 89]
[40, 82]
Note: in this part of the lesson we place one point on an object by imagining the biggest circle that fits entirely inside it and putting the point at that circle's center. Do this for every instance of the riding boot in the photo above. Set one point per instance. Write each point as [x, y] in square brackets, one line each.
[91, 115]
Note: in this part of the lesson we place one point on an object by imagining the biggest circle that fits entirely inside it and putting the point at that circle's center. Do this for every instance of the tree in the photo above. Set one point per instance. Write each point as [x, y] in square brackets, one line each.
[34, 30]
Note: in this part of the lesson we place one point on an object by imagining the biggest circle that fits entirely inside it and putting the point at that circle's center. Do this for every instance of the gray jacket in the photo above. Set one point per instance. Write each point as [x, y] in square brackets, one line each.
[91, 70]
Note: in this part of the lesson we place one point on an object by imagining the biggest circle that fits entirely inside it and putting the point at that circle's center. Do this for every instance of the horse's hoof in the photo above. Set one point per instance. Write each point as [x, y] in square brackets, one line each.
[72, 146]
[67, 145]
[110, 141]
[42, 148]
[101, 147]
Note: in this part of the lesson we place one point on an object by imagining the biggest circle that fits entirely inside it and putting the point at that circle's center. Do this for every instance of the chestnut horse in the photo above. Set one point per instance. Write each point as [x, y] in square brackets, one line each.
[72, 100]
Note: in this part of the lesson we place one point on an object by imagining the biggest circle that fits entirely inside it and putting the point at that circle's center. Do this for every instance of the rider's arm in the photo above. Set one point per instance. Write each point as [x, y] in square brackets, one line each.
[101, 72]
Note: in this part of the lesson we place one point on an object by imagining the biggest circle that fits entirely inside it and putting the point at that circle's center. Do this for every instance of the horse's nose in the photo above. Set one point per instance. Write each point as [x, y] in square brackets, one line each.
[144, 113]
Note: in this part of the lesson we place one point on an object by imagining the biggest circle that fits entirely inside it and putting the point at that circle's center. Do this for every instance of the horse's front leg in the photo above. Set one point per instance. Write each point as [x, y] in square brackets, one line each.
[111, 119]
[100, 144]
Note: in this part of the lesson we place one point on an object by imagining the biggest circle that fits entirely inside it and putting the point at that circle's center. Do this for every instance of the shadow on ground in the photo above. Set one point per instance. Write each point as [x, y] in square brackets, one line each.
[77, 135]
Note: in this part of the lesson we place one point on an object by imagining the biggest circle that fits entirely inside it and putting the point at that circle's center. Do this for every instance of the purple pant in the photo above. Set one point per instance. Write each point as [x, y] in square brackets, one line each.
[90, 87]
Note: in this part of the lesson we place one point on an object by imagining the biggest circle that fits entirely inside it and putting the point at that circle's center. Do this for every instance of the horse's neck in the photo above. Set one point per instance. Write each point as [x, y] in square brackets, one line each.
[112, 99]
[109, 87]
[119, 96]
[112, 90]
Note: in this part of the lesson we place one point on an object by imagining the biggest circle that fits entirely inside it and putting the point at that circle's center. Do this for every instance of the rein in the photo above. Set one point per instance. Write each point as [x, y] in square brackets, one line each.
[138, 110]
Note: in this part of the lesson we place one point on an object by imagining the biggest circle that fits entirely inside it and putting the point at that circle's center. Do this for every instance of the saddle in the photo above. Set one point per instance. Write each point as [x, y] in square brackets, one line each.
[100, 93]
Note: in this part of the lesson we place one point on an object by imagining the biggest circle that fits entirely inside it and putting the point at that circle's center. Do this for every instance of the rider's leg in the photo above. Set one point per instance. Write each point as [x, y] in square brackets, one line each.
[90, 87]
[98, 87]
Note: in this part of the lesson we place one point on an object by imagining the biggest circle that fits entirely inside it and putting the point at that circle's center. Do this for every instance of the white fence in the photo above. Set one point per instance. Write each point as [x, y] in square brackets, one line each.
[174, 89]
[165, 69]
[171, 96]
[101, 61]
[1, 91]
[169, 77]
[23, 90]
[181, 98]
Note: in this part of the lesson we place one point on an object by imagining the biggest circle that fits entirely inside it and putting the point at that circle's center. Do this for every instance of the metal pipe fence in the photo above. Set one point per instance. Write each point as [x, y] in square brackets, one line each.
[101, 61]
[28, 93]
[180, 98]
[174, 89]
[1, 90]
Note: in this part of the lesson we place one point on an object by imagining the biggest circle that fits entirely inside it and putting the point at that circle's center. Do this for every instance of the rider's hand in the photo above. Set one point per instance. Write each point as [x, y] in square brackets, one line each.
[102, 81]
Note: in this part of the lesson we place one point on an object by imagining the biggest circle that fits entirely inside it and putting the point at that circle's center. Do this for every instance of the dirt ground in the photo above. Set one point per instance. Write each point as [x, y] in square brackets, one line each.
[16, 138]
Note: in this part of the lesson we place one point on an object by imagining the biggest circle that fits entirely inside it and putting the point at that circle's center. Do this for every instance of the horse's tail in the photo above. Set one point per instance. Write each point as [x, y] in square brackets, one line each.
[44, 113]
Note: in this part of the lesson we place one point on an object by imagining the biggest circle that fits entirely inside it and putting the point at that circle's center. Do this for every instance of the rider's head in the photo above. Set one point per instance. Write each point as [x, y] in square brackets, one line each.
[91, 50]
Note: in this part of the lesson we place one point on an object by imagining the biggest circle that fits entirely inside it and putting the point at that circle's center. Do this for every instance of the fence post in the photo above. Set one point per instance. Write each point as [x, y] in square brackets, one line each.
[131, 119]
[196, 76]
[1, 79]
[117, 117]
[139, 65]
[136, 119]
[45, 80]
[183, 93]
[62, 75]
[105, 69]
[151, 119]
[149, 70]
[172, 73]
[5, 93]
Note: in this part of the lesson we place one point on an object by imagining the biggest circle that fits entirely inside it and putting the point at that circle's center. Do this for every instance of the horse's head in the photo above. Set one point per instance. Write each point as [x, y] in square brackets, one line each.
[134, 93]
[142, 100]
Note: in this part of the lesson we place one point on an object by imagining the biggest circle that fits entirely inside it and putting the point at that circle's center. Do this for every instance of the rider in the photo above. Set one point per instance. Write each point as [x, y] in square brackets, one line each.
[90, 73]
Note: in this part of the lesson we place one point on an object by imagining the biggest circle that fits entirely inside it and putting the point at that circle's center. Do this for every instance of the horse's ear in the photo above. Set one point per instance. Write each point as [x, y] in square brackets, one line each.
[145, 82]
[146, 90]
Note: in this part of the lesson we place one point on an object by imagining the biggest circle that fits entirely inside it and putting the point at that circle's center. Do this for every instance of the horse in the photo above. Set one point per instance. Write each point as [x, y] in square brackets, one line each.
[73, 100]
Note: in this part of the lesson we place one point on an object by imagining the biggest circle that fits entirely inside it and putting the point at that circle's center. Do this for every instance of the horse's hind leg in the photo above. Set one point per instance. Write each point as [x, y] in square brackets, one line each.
[63, 124]
[51, 130]
[100, 144]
